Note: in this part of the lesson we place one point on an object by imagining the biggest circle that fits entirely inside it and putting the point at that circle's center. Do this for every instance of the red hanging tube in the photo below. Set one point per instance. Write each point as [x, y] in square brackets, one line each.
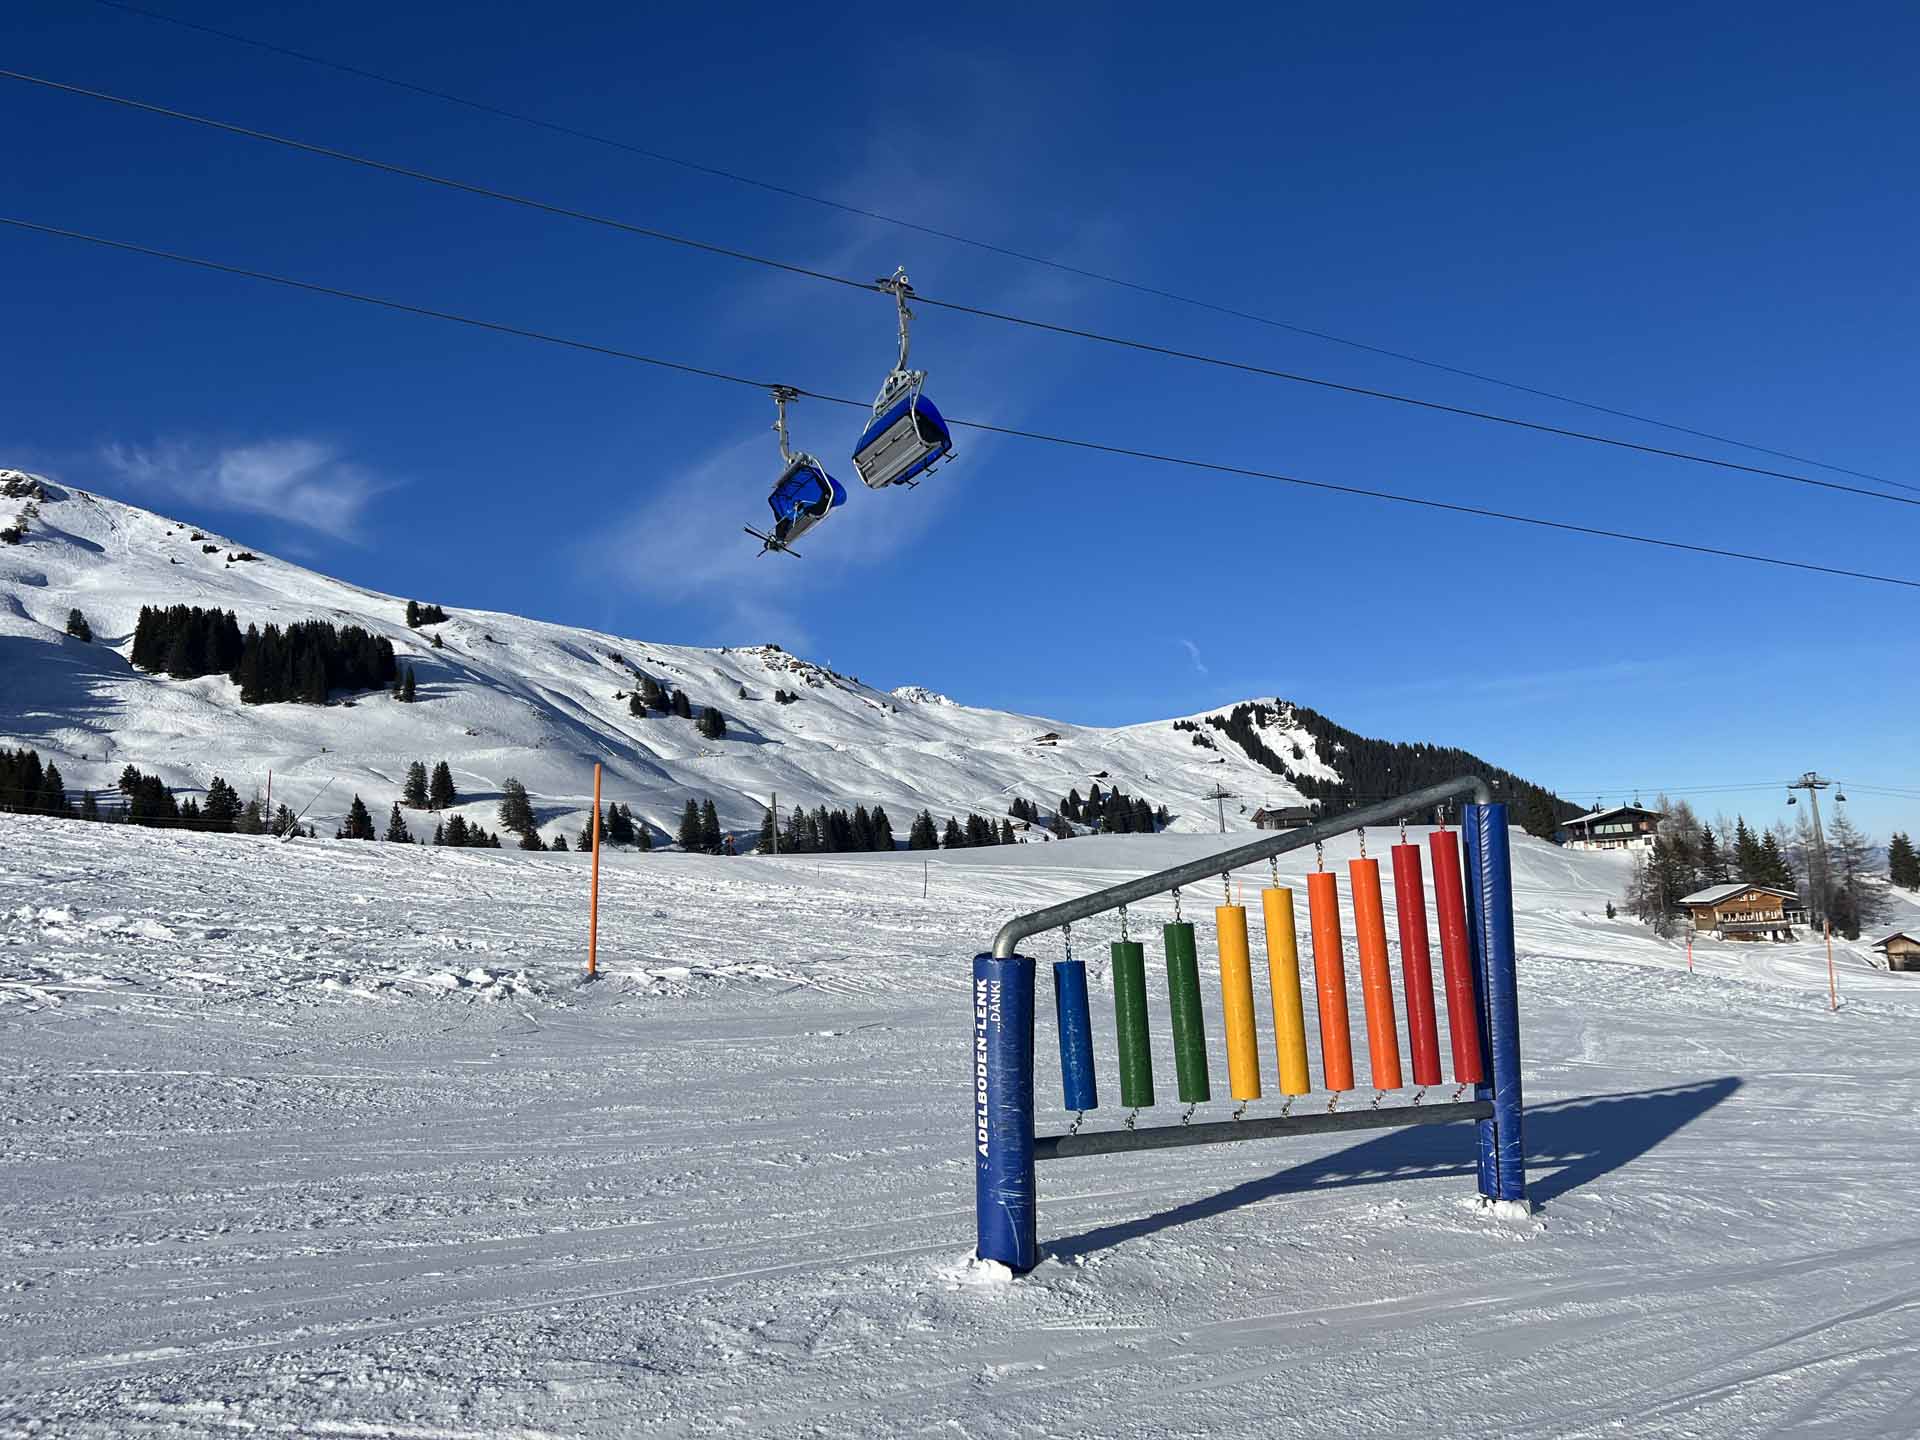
[1456, 959]
[1330, 980]
[1376, 978]
[1416, 964]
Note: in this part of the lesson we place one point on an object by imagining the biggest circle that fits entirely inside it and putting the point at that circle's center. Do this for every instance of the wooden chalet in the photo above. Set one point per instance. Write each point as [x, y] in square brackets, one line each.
[1902, 949]
[1285, 817]
[1623, 827]
[1739, 911]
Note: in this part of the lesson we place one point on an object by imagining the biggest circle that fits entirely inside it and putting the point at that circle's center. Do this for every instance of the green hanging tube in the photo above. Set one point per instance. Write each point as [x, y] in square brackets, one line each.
[1130, 1017]
[1189, 1031]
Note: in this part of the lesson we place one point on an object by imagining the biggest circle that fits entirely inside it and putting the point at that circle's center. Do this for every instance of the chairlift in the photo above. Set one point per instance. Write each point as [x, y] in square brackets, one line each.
[907, 435]
[804, 494]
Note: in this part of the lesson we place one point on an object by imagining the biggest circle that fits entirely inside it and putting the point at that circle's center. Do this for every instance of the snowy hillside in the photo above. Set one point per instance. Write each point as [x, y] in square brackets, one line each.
[327, 1140]
[509, 697]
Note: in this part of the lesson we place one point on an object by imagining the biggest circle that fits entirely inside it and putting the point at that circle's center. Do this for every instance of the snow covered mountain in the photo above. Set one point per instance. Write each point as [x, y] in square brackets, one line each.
[502, 696]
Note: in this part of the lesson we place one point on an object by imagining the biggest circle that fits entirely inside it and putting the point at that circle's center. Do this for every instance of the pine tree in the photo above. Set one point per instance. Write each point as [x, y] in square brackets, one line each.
[710, 829]
[1903, 862]
[414, 794]
[922, 835]
[559, 846]
[77, 626]
[766, 838]
[359, 824]
[516, 809]
[862, 828]
[531, 841]
[643, 835]
[713, 724]
[882, 830]
[452, 833]
[53, 792]
[1773, 866]
[952, 839]
[1713, 866]
[221, 807]
[585, 843]
[1748, 863]
[1006, 832]
[441, 795]
[651, 695]
[413, 615]
[407, 695]
[397, 831]
[682, 706]
[689, 836]
[635, 705]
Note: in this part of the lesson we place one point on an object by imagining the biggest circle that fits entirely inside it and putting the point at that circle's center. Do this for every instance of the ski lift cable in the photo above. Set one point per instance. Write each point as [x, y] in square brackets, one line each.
[1071, 442]
[772, 187]
[650, 232]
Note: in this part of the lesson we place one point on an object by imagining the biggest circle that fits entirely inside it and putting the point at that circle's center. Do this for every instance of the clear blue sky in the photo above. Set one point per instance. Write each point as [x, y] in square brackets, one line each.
[1700, 213]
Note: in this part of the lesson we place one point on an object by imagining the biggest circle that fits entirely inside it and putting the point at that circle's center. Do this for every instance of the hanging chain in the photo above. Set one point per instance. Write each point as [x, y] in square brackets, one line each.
[1319, 856]
[1176, 904]
[1066, 934]
[1226, 887]
[1378, 1096]
[1273, 869]
[1287, 1109]
[1458, 1091]
[1078, 1116]
[1403, 829]
[1130, 1114]
[1241, 1113]
[1187, 1119]
[1362, 833]
[1123, 924]
[1334, 1103]
[1419, 1094]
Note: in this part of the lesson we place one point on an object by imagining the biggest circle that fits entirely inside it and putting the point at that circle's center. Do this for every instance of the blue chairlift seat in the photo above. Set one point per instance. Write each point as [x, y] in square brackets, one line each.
[906, 438]
[802, 498]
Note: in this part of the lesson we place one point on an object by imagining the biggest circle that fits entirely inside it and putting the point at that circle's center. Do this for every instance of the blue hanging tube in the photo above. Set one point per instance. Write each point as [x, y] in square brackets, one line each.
[1078, 1088]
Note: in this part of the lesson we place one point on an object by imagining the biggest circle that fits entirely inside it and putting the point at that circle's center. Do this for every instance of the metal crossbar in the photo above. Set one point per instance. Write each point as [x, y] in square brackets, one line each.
[1225, 1132]
[1114, 896]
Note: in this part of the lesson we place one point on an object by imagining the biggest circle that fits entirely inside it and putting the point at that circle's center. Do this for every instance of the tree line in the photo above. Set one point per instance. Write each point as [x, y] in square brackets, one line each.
[300, 663]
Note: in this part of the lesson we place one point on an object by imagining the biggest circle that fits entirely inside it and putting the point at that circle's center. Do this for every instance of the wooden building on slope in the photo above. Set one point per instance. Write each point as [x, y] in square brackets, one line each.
[1739, 911]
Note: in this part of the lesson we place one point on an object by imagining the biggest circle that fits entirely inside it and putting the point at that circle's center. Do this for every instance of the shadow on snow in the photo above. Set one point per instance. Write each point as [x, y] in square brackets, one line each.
[1570, 1143]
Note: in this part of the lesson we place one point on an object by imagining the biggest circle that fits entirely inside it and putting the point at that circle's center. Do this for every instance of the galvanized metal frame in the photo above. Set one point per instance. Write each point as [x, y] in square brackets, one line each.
[1470, 787]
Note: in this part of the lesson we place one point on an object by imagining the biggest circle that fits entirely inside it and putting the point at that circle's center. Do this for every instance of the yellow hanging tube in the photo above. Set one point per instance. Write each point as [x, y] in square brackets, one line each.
[1283, 970]
[1236, 994]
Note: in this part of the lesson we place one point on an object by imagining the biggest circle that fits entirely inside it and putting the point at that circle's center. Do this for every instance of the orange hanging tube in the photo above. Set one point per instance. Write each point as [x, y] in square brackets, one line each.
[1283, 975]
[1236, 1002]
[1376, 980]
[1330, 980]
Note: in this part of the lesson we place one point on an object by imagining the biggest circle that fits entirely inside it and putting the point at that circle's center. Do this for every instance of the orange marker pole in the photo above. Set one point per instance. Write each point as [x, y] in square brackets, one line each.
[1330, 980]
[1236, 1002]
[1376, 980]
[1283, 974]
[593, 902]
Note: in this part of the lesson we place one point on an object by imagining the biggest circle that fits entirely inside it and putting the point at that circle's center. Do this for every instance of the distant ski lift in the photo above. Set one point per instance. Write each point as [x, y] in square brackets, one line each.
[907, 436]
[803, 496]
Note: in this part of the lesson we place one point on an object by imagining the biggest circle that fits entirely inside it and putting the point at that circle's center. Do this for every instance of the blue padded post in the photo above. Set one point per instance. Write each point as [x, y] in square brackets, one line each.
[1078, 1088]
[1492, 900]
[1486, 1139]
[1005, 1194]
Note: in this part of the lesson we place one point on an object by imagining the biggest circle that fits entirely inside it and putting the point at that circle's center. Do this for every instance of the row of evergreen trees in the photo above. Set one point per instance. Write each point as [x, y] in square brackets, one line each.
[301, 663]
[827, 832]
[979, 830]
[1112, 812]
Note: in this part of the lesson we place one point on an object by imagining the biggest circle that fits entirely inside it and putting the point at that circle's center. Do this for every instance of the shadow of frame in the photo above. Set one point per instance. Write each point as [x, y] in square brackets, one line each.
[1570, 1143]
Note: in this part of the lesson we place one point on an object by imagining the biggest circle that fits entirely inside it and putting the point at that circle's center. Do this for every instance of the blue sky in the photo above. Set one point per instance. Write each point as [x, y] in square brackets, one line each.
[1696, 213]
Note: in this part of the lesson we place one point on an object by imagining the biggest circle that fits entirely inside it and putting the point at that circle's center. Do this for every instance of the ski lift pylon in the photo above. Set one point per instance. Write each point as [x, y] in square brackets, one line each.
[907, 435]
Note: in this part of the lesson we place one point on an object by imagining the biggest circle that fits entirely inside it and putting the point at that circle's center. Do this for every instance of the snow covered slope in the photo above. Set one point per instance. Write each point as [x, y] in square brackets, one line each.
[325, 1139]
[511, 697]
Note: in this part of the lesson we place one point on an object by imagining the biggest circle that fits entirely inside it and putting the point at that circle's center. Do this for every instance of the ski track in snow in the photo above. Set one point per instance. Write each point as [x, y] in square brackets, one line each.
[328, 1139]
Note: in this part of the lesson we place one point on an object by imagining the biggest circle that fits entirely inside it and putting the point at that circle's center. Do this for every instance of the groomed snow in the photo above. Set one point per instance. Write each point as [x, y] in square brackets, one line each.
[327, 1139]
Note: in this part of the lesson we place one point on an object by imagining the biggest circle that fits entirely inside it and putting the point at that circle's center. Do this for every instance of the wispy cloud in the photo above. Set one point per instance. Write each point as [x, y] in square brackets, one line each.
[305, 482]
[1193, 654]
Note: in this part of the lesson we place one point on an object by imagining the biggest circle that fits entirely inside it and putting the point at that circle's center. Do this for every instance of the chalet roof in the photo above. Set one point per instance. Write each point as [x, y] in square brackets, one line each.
[1885, 940]
[1714, 894]
[1613, 810]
